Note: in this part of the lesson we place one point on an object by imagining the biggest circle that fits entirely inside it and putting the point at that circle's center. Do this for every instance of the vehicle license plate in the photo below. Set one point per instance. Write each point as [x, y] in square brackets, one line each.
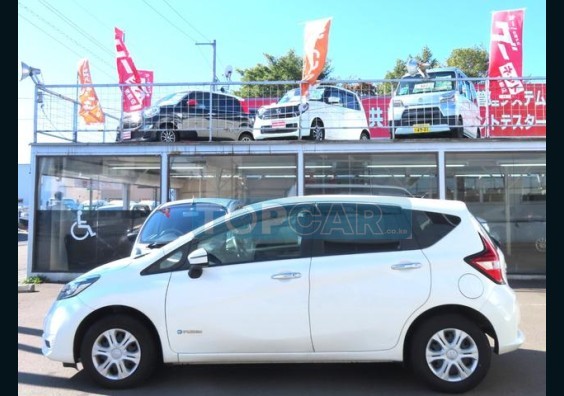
[421, 128]
[278, 124]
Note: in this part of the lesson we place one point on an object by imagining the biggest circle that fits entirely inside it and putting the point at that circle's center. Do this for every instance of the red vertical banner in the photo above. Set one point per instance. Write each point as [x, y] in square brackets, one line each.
[133, 96]
[90, 109]
[316, 45]
[515, 107]
[506, 50]
[146, 77]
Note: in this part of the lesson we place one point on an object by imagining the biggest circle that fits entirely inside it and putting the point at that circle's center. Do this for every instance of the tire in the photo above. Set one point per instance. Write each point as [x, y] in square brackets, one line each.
[364, 136]
[317, 131]
[458, 131]
[168, 134]
[439, 344]
[246, 137]
[478, 133]
[131, 343]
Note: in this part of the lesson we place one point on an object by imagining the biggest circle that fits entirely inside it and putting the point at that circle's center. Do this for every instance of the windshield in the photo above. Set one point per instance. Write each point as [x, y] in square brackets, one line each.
[437, 82]
[167, 224]
[293, 95]
[171, 99]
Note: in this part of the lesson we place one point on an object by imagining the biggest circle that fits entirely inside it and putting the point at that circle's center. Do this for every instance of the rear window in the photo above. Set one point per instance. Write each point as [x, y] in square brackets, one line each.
[178, 220]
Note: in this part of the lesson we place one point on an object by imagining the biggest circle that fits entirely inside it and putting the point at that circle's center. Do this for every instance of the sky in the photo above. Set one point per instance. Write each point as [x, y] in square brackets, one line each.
[365, 40]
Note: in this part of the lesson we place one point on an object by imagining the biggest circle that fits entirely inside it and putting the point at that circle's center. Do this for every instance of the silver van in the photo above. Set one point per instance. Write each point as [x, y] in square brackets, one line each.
[434, 101]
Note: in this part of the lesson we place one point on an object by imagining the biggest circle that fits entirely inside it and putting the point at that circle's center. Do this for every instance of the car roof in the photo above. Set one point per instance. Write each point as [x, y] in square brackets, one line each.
[228, 203]
[425, 204]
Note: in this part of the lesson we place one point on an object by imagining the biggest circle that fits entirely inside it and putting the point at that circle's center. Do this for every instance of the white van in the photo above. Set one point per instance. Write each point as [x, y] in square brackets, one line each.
[435, 101]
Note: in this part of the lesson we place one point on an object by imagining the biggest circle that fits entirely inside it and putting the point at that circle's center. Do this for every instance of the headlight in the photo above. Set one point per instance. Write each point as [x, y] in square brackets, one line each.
[151, 112]
[448, 98]
[75, 287]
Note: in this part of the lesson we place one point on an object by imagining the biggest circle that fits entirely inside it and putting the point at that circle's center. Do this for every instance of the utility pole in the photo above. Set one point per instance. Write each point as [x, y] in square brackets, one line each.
[212, 86]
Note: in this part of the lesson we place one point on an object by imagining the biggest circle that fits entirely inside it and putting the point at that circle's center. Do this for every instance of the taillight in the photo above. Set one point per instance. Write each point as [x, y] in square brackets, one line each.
[487, 261]
[245, 106]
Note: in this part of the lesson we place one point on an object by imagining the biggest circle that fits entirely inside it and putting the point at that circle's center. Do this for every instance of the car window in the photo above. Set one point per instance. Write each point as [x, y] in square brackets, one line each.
[202, 99]
[431, 227]
[168, 223]
[351, 101]
[171, 262]
[347, 228]
[277, 233]
[227, 104]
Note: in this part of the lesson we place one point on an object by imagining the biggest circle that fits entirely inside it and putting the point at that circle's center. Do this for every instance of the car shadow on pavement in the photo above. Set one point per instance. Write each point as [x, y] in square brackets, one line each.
[520, 372]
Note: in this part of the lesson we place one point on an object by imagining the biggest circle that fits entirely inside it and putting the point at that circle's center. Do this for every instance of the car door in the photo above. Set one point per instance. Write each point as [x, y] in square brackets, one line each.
[229, 117]
[334, 114]
[353, 121]
[196, 118]
[367, 277]
[253, 296]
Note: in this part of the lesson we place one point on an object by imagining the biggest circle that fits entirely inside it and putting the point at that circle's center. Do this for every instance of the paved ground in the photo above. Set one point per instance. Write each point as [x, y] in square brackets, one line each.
[519, 373]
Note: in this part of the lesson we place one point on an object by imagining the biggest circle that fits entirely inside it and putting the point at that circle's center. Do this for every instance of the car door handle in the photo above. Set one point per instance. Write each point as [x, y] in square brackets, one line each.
[406, 266]
[286, 275]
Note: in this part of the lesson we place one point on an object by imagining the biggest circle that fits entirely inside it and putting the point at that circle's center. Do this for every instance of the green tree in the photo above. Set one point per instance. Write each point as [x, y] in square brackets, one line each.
[284, 68]
[400, 69]
[472, 61]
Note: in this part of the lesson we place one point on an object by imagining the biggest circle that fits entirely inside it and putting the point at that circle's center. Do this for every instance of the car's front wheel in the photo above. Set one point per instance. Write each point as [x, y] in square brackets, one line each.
[118, 351]
[168, 134]
[450, 353]
[364, 136]
[317, 131]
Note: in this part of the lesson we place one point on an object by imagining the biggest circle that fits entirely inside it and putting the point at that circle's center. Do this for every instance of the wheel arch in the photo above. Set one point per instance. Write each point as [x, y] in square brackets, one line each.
[479, 319]
[112, 310]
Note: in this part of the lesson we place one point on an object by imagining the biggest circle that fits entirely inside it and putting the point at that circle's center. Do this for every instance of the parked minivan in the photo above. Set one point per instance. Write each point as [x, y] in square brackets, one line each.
[189, 115]
[428, 102]
[305, 279]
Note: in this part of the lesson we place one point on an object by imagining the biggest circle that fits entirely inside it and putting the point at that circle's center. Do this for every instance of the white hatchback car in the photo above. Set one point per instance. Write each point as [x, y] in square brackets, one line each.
[331, 113]
[301, 279]
[440, 100]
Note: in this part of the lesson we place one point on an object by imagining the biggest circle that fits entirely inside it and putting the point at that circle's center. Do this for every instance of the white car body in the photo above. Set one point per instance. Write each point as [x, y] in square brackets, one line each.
[366, 306]
[330, 113]
[443, 101]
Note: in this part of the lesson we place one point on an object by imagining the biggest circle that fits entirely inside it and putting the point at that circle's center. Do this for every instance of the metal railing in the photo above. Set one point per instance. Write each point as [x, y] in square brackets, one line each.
[501, 114]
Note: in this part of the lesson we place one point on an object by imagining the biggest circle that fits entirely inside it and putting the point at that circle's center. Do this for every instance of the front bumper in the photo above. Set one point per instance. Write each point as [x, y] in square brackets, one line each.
[59, 329]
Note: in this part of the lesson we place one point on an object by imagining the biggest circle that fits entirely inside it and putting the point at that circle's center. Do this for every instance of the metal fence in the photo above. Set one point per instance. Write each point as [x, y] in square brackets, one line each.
[516, 114]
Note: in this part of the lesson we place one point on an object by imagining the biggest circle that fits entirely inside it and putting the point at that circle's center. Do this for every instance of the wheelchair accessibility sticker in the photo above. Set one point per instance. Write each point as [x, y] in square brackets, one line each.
[84, 229]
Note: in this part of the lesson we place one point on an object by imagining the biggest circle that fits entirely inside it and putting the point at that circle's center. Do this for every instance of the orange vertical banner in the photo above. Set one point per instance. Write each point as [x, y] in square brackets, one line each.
[90, 109]
[316, 44]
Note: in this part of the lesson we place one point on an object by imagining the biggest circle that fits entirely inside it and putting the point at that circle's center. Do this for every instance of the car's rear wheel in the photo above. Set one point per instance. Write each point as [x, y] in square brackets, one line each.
[458, 130]
[450, 353]
[168, 134]
[118, 351]
[364, 136]
[317, 131]
[478, 133]
[246, 137]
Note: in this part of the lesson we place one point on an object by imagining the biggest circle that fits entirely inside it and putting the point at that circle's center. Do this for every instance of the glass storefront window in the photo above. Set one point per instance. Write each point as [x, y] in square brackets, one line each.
[249, 178]
[89, 208]
[507, 191]
[413, 174]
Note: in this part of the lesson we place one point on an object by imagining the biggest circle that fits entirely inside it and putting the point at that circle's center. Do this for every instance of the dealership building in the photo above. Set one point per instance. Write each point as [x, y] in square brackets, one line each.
[502, 180]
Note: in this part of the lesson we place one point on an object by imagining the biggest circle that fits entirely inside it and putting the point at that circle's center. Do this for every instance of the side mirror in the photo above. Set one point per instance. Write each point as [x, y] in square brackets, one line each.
[192, 102]
[198, 259]
[333, 100]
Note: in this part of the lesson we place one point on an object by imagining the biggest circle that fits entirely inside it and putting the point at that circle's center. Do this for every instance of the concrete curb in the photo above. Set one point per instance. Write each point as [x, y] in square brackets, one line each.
[26, 288]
